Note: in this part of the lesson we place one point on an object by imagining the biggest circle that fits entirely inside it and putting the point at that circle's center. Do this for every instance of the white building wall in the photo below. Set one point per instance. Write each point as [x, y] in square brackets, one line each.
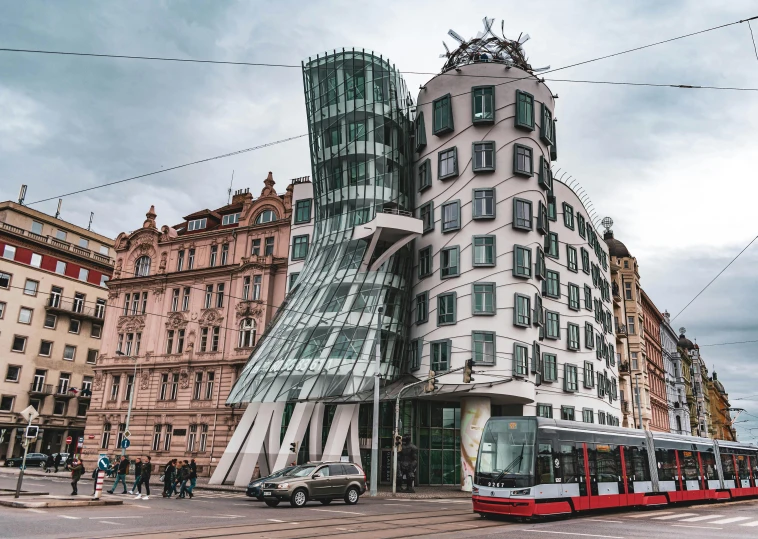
[507, 185]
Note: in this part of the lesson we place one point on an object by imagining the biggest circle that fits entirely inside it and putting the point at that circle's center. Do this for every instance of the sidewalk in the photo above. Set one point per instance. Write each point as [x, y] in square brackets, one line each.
[385, 491]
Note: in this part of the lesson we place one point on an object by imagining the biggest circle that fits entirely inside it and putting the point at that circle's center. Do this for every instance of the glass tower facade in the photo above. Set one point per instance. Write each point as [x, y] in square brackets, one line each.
[322, 342]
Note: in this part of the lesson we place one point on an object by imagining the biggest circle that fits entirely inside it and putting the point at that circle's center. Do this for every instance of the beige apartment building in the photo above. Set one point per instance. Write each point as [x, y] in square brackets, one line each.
[187, 305]
[53, 295]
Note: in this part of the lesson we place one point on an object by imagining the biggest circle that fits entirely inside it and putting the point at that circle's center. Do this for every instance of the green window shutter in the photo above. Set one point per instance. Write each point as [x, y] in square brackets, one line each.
[443, 115]
[524, 110]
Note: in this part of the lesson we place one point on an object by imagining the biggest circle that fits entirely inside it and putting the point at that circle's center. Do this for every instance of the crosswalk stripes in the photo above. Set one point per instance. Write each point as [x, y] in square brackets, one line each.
[750, 524]
[729, 520]
[218, 494]
[701, 518]
[673, 518]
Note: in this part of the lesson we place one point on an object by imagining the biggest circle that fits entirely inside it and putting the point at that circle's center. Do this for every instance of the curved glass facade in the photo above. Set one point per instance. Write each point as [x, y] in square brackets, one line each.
[322, 343]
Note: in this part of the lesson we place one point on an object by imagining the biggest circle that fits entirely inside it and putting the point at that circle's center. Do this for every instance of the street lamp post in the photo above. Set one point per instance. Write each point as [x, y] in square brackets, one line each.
[375, 428]
[639, 398]
[131, 399]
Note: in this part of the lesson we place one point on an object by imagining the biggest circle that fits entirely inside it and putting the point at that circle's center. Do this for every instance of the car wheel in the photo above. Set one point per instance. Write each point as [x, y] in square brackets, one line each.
[351, 496]
[272, 503]
[326, 502]
[41, 464]
[299, 498]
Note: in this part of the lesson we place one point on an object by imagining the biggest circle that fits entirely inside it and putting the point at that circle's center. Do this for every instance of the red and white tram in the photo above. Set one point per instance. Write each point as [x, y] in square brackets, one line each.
[530, 466]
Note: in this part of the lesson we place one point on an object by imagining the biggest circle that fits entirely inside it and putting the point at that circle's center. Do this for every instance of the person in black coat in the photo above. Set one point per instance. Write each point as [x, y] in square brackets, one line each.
[169, 474]
[147, 470]
[49, 463]
[57, 461]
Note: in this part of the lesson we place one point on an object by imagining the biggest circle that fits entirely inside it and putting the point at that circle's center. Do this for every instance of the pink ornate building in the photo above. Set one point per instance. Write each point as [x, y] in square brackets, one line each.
[187, 303]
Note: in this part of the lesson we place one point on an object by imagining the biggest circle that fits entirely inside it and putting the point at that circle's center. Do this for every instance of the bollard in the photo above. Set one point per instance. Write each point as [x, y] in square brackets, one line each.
[99, 484]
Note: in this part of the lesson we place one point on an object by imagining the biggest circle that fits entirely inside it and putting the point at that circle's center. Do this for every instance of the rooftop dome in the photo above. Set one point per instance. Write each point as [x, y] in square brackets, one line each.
[615, 247]
[685, 343]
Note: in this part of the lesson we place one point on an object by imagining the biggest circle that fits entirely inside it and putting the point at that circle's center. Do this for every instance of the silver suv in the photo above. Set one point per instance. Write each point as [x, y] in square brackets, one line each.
[322, 481]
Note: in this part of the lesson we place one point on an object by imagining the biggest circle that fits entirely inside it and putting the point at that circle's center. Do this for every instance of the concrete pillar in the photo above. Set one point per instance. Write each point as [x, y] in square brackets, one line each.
[301, 415]
[229, 463]
[341, 425]
[315, 439]
[10, 435]
[475, 411]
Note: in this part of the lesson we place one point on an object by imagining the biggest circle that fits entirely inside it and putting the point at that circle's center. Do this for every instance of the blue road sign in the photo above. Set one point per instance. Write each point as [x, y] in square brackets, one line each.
[103, 463]
[126, 443]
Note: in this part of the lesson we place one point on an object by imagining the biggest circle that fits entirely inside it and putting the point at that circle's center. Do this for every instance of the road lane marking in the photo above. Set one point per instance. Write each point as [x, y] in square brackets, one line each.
[750, 524]
[698, 519]
[275, 520]
[70, 517]
[729, 520]
[334, 511]
[677, 515]
[111, 523]
[601, 520]
[212, 516]
[646, 515]
[37, 511]
[130, 516]
[572, 533]
[698, 527]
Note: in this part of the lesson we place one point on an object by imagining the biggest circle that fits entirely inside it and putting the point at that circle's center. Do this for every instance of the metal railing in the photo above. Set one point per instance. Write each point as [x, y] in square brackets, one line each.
[620, 329]
[396, 212]
[59, 244]
[75, 306]
[42, 388]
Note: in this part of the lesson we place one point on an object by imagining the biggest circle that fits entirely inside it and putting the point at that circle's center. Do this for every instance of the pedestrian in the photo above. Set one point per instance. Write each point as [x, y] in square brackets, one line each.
[94, 481]
[137, 474]
[123, 467]
[76, 473]
[193, 477]
[177, 480]
[147, 470]
[57, 461]
[49, 463]
[168, 479]
[69, 462]
[179, 474]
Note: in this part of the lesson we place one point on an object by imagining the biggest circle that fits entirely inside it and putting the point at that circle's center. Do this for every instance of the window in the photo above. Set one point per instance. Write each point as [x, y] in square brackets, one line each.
[520, 359]
[293, 280]
[247, 333]
[589, 375]
[443, 115]
[483, 347]
[522, 261]
[422, 307]
[167, 439]
[2, 309]
[299, 247]
[552, 325]
[483, 104]
[115, 385]
[175, 300]
[257, 287]
[587, 415]
[220, 295]
[214, 338]
[585, 260]
[210, 380]
[484, 156]
[545, 175]
[25, 315]
[230, 219]
[36, 260]
[425, 262]
[539, 264]
[45, 348]
[420, 132]
[74, 325]
[356, 132]
[571, 263]
[522, 311]
[426, 214]
[9, 252]
[60, 267]
[6, 403]
[224, 254]
[13, 373]
[256, 247]
[570, 377]
[37, 228]
[522, 160]
[484, 250]
[447, 163]
[19, 343]
[450, 262]
[303, 211]
[197, 390]
[266, 216]
[573, 336]
[446, 309]
[573, 291]
[30, 287]
[414, 361]
[170, 341]
[545, 410]
[61, 235]
[269, 247]
[549, 367]
[551, 245]
[483, 298]
[580, 225]
[484, 204]
[129, 387]
[524, 110]
[424, 175]
[451, 216]
[440, 356]
[141, 267]
[157, 437]
[589, 333]
[522, 214]
[551, 212]
[546, 128]
[191, 436]
[630, 325]
[197, 224]
[628, 290]
[214, 255]
[543, 226]
[92, 356]
[568, 216]
[106, 436]
[191, 259]
[180, 261]
[551, 287]
[635, 365]
[104, 250]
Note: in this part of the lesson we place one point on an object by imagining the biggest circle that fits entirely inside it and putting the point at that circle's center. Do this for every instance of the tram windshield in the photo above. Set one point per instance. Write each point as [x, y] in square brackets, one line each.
[506, 453]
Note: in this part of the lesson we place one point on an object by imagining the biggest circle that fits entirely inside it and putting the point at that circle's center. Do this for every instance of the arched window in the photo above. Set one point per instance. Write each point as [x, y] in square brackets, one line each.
[142, 266]
[266, 216]
[247, 333]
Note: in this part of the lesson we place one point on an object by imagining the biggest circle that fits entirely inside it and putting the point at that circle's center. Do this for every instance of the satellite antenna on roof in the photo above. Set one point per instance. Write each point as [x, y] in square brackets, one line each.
[452, 33]
[229, 200]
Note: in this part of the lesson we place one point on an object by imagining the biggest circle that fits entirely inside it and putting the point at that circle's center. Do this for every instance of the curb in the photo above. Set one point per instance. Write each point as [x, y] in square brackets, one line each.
[39, 504]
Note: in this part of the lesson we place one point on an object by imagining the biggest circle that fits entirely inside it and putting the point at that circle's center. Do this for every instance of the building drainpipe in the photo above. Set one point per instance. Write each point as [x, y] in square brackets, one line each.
[628, 350]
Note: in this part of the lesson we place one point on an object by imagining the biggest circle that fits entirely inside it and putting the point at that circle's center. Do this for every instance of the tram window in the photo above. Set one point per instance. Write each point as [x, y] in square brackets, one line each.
[727, 466]
[545, 464]
[690, 466]
[709, 464]
[639, 468]
[567, 465]
[742, 467]
[608, 469]
[666, 459]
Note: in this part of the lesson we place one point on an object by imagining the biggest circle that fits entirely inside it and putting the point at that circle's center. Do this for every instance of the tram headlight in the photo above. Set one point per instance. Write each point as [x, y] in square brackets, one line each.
[475, 490]
[522, 492]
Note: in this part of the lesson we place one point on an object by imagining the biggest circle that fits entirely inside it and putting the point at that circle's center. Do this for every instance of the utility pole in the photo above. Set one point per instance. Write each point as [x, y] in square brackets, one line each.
[639, 398]
[375, 430]
[29, 413]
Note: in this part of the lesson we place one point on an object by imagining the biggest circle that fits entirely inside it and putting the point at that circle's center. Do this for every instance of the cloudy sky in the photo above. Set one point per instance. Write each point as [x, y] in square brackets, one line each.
[672, 167]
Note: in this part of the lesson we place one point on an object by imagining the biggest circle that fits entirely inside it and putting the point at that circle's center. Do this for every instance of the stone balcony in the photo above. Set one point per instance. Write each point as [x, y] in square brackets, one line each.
[58, 244]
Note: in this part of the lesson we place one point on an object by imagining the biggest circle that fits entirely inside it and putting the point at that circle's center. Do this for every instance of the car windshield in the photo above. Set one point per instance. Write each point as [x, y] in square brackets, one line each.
[280, 473]
[302, 471]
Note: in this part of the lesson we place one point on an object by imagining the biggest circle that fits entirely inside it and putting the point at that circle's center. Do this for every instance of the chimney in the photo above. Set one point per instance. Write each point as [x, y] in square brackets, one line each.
[240, 195]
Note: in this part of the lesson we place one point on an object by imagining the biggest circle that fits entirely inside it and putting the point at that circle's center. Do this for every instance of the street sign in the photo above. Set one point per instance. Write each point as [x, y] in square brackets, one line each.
[103, 463]
[69, 439]
[29, 414]
[81, 440]
[127, 434]
[126, 443]
[31, 431]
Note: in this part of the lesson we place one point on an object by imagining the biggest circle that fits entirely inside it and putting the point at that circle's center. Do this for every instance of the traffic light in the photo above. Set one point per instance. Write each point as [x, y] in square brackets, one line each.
[293, 447]
[431, 384]
[467, 378]
[31, 431]
[399, 442]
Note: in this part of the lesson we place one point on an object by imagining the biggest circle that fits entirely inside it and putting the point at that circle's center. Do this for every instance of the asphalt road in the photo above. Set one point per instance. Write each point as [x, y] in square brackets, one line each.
[230, 514]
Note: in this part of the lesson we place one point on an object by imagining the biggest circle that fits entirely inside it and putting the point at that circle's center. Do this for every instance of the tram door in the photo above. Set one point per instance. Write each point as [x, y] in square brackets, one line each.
[567, 469]
[743, 470]
[606, 478]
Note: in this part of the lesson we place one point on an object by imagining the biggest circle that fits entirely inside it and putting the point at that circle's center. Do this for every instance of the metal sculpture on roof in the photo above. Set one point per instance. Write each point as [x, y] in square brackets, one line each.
[488, 47]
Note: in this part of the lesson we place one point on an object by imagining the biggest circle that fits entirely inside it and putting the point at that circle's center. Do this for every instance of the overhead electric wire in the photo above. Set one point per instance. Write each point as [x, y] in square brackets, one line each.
[753, 38]
[716, 277]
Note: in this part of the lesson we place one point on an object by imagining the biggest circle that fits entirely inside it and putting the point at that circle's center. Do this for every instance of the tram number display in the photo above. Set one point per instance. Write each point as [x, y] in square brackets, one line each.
[496, 485]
